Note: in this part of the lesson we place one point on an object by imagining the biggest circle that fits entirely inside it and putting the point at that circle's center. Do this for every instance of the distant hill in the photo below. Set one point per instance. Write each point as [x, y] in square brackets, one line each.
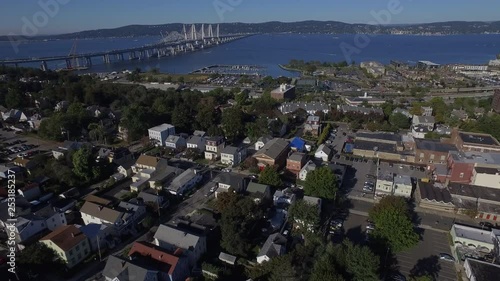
[320, 27]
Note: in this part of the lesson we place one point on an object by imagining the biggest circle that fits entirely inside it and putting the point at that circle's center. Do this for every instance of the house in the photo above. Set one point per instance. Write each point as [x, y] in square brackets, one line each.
[302, 221]
[61, 106]
[262, 141]
[174, 264]
[359, 109]
[227, 258]
[277, 218]
[434, 197]
[184, 182]
[259, 192]
[427, 110]
[67, 146]
[213, 147]
[385, 184]
[69, 243]
[175, 142]
[309, 166]
[14, 115]
[339, 171]
[283, 197]
[323, 152]
[312, 125]
[232, 155]
[145, 162]
[10, 169]
[99, 236]
[53, 217]
[427, 121]
[225, 181]
[159, 133]
[274, 246]
[284, 91]
[359, 101]
[138, 268]
[375, 68]
[121, 220]
[273, 153]
[153, 197]
[459, 114]
[402, 111]
[403, 186]
[298, 144]
[25, 227]
[124, 169]
[30, 191]
[419, 131]
[34, 121]
[199, 133]
[472, 241]
[24, 163]
[171, 238]
[196, 142]
[314, 201]
[97, 200]
[63, 204]
[295, 162]
[477, 270]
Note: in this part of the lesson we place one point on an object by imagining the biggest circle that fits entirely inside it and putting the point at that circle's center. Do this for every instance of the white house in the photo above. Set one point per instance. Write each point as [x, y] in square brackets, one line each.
[323, 152]
[419, 131]
[403, 186]
[160, 133]
[232, 155]
[196, 142]
[175, 142]
[385, 184]
[309, 166]
[171, 239]
[261, 142]
[428, 121]
[26, 227]
[213, 147]
[15, 115]
[184, 182]
[274, 246]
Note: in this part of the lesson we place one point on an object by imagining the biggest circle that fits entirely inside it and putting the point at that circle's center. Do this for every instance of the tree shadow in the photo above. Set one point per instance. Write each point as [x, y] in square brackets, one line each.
[356, 235]
[427, 266]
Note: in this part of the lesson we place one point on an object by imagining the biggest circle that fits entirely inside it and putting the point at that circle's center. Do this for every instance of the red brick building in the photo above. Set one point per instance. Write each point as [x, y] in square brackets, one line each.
[467, 141]
[283, 92]
[461, 165]
[295, 162]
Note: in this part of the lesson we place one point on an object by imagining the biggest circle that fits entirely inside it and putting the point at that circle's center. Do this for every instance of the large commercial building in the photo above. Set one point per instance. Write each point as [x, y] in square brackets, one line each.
[285, 91]
[160, 133]
[467, 141]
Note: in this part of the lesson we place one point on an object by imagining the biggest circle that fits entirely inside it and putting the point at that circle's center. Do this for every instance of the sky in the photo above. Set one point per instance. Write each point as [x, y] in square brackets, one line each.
[41, 17]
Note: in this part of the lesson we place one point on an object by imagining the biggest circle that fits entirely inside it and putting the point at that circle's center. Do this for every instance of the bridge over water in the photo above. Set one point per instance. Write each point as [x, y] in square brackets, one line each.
[186, 43]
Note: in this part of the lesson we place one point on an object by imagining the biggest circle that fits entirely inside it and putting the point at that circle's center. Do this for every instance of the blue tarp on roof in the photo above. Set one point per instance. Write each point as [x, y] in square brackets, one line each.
[298, 143]
[348, 148]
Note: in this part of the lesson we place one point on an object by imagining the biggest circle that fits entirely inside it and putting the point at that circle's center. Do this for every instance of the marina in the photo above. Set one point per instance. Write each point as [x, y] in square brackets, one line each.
[231, 70]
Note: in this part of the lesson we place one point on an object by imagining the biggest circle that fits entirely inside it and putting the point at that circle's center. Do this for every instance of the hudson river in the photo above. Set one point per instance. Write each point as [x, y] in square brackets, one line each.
[270, 50]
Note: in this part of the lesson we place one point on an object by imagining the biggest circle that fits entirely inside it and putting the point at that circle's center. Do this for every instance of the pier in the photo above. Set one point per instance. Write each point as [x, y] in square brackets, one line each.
[231, 70]
[189, 43]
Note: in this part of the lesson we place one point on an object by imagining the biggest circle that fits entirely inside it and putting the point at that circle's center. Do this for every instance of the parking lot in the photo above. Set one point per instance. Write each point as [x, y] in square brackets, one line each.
[13, 140]
[422, 259]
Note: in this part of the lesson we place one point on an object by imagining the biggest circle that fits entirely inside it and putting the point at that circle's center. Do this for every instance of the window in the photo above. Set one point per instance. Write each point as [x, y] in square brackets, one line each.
[421, 155]
[71, 252]
[432, 156]
[461, 175]
[443, 157]
[77, 247]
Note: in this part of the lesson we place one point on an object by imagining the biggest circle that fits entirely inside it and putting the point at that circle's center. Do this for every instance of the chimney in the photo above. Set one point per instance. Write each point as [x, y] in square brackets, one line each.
[100, 208]
[73, 234]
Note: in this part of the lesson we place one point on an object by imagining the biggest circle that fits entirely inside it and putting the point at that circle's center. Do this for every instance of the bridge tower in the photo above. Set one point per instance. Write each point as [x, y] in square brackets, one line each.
[184, 32]
[218, 29]
[210, 31]
[193, 33]
[202, 31]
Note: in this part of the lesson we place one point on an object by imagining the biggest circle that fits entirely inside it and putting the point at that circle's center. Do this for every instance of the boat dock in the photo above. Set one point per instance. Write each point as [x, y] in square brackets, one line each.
[231, 70]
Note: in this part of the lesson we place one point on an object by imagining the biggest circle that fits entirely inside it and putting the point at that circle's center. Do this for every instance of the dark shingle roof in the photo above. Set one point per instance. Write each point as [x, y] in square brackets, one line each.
[429, 192]
[434, 146]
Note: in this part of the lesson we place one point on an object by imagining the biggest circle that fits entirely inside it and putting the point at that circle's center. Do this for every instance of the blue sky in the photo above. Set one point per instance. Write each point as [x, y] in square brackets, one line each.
[78, 15]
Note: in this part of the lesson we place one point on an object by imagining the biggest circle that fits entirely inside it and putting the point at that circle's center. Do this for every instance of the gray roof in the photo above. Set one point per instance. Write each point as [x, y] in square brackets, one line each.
[176, 237]
[476, 157]
[199, 133]
[273, 148]
[474, 191]
[265, 139]
[182, 179]
[326, 149]
[379, 136]
[312, 200]
[309, 166]
[385, 175]
[172, 138]
[424, 119]
[125, 269]
[402, 179]
[274, 245]
[432, 145]
[307, 106]
[236, 181]
[254, 187]
[194, 139]
[230, 150]
[432, 193]
[479, 139]
[296, 156]
[148, 195]
[360, 109]
[483, 271]
[312, 118]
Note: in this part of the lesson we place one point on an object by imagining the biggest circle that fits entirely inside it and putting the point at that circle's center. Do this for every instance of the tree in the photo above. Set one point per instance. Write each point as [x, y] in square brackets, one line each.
[361, 262]
[232, 123]
[324, 270]
[225, 200]
[393, 224]
[84, 164]
[14, 99]
[301, 210]
[270, 176]
[279, 268]
[38, 258]
[322, 183]
[241, 98]
[422, 278]
[181, 117]
[399, 120]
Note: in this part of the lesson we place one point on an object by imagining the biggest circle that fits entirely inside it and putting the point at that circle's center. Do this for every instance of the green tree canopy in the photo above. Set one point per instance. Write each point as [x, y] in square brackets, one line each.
[393, 224]
[361, 262]
[399, 120]
[38, 258]
[303, 211]
[322, 183]
[232, 122]
[270, 176]
[84, 165]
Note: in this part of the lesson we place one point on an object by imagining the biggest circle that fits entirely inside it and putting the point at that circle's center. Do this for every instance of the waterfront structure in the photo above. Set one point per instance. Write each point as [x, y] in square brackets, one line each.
[284, 91]
[425, 65]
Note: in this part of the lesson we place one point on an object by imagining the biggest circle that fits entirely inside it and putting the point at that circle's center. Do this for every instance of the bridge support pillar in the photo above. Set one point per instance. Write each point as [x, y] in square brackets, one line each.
[131, 55]
[44, 66]
[148, 54]
[68, 64]
[88, 62]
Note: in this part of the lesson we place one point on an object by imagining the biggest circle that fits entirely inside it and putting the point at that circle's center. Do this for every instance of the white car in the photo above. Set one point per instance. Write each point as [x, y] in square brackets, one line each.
[213, 189]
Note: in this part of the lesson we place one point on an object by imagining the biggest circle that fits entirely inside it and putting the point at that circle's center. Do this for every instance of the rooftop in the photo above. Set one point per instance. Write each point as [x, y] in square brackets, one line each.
[485, 170]
[65, 237]
[429, 63]
[403, 180]
[154, 252]
[479, 139]
[474, 191]
[385, 175]
[472, 233]
[273, 148]
[101, 212]
[161, 127]
[432, 145]
[273, 246]
[176, 237]
[476, 157]
[483, 271]
[379, 136]
[147, 160]
[296, 156]
[230, 150]
[182, 179]
[375, 146]
[433, 193]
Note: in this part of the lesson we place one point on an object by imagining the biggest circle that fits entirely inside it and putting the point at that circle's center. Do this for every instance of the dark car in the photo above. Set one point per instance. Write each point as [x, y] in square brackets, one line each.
[396, 277]
[446, 257]
[391, 165]
[486, 224]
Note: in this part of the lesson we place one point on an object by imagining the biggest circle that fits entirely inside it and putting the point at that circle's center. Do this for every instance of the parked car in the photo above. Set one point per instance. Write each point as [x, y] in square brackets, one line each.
[396, 277]
[336, 223]
[370, 226]
[446, 257]
[486, 224]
